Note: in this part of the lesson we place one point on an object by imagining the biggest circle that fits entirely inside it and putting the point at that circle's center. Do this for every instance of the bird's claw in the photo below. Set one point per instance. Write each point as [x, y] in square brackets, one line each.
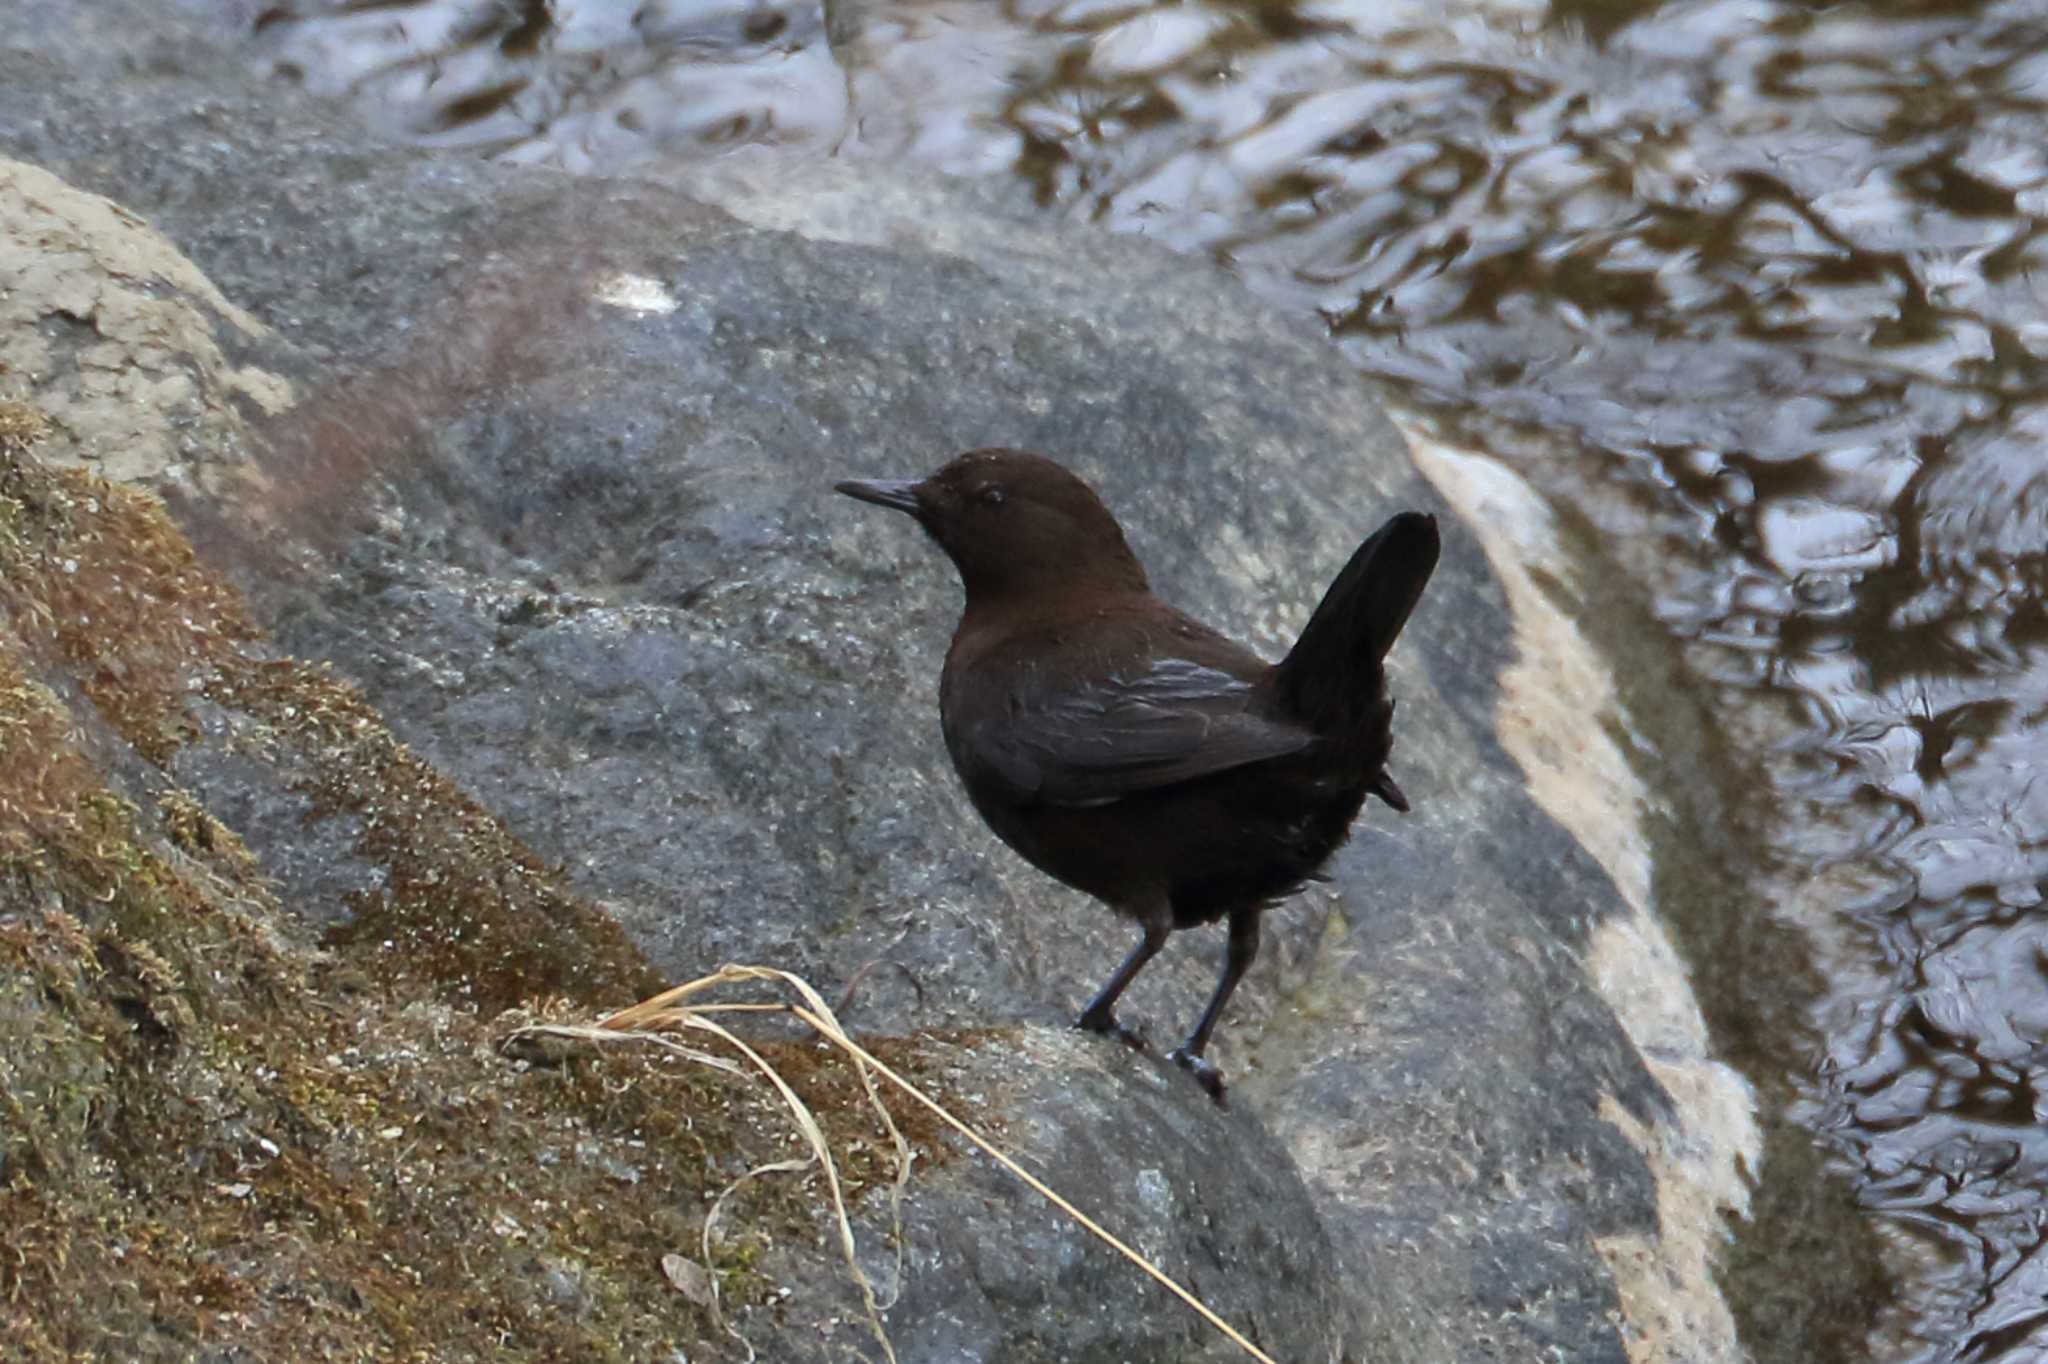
[1106, 1024]
[1205, 1073]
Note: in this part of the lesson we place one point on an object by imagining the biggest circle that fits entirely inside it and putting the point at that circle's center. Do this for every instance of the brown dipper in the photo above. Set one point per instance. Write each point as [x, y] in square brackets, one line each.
[1133, 752]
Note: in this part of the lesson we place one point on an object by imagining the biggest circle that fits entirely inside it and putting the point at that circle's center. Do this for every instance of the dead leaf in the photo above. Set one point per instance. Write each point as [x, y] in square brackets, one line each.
[689, 1278]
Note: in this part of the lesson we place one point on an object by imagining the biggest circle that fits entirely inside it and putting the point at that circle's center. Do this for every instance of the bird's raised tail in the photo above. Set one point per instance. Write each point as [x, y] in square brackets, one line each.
[1332, 678]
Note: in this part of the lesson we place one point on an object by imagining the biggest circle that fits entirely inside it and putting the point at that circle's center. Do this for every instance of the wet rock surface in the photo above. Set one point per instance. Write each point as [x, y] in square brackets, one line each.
[556, 497]
[992, 1273]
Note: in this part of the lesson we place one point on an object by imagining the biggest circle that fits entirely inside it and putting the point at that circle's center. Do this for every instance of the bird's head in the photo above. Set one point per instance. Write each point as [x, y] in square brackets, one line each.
[1014, 523]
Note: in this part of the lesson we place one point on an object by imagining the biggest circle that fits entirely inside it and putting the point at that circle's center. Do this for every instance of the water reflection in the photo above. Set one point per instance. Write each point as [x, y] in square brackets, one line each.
[587, 86]
[1771, 265]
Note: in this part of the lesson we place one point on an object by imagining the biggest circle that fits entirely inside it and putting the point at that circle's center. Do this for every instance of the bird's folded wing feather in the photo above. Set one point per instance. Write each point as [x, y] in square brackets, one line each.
[1099, 740]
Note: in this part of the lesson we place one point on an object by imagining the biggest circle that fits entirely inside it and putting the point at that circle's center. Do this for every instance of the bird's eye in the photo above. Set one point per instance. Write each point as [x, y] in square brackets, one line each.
[994, 495]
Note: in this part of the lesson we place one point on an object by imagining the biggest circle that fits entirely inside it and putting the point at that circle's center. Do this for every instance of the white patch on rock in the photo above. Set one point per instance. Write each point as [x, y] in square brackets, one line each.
[1558, 714]
[635, 293]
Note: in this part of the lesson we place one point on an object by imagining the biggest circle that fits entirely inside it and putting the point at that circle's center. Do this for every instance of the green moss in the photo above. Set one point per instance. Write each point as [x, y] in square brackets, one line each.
[463, 901]
[220, 1136]
[22, 426]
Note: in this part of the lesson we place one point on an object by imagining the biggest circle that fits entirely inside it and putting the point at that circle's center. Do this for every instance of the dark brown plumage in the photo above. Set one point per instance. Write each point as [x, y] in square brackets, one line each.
[1133, 752]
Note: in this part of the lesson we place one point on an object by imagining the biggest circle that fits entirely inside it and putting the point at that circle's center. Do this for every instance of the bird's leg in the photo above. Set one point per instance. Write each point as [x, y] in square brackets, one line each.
[1237, 959]
[1100, 1015]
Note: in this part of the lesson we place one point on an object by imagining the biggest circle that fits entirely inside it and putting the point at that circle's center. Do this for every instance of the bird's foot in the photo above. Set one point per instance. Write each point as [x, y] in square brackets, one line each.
[1205, 1073]
[1105, 1023]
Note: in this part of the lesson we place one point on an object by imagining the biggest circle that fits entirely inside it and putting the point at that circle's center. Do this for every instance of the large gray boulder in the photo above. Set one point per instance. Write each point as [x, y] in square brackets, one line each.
[555, 492]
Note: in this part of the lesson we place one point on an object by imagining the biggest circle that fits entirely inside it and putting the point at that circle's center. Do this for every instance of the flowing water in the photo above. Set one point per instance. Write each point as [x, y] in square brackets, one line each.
[1746, 286]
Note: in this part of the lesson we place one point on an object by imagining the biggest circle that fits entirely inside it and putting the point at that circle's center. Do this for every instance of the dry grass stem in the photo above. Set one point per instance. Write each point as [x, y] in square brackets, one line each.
[670, 1009]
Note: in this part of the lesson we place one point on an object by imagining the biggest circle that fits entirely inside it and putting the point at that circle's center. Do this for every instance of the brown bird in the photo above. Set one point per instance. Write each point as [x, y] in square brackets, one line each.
[1133, 752]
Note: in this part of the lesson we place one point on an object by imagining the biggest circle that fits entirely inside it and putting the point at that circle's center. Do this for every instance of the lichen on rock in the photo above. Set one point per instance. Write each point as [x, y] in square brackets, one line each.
[114, 328]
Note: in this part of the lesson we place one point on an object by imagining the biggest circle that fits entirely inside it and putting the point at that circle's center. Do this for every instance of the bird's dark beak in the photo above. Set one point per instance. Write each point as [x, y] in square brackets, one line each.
[898, 493]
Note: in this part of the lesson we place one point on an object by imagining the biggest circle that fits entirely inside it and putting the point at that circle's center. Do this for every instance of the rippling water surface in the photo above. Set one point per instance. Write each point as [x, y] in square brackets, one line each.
[1749, 286]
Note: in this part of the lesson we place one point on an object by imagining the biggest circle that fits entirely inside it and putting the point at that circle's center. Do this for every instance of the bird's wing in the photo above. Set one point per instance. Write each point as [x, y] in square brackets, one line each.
[1099, 740]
